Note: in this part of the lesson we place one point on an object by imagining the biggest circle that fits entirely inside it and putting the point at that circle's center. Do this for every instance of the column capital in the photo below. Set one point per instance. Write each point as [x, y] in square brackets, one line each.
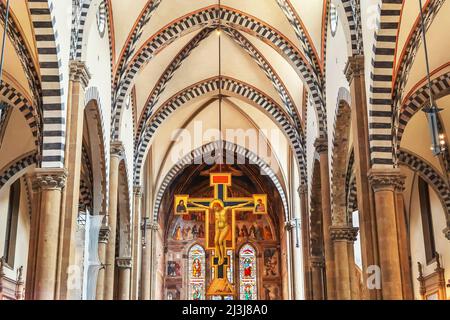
[104, 234]
[124, 263]
[386, 180]
[49, 179]
[137, 190]
[317, 262]
[117, 149]
[354, 67]
[302, 190]
[78, 72]
[447, 231]
[153, 226]
[321, 145]
[291, 224]
[349, 234]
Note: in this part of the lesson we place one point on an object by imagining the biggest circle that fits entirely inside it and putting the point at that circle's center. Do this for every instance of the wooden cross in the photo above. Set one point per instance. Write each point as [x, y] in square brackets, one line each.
[225, 224]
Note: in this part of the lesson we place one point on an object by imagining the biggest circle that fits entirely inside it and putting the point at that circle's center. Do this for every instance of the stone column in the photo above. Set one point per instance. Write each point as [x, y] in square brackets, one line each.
[303, 193]
[117, 153]
[51, 183]
[103, 240]
[321, 146]
[404, 246]
[342, 236]
[147, 261]
[317, 267]
[384, 184]
[124, 266]
[355, 75]
[136, 250]
[78, 81]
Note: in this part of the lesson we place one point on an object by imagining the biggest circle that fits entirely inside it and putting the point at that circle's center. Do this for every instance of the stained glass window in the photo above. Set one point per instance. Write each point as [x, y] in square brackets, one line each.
[248, 287]
[196, 275]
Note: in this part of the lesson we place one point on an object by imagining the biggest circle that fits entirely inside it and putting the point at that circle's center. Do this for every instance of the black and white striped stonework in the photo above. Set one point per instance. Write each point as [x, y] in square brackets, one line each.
[136, 34]
[16, 166]
[48, 50]
[440, 87]
[80, 9]
[352, 10]
[352, 198]
[429, 174]
[5, 113]
[24, 55]
[229, 148]
[408, 58]
[15, 99]
[273, 77]
[167, 76]
[381, 102]
[306, 46]
[234, 87]
[203, 17]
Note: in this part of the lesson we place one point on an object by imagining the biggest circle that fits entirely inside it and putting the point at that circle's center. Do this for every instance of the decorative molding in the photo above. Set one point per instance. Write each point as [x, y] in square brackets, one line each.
[321, 145]
[50, 179]
[78, 72]
[117, 149]
[349, 234]
[385, 180]
[124, 263]
[354, 68]
[317, 262]
[104, 234]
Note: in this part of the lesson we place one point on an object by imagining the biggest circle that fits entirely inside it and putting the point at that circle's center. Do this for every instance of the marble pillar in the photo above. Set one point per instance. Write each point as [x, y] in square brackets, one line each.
[317, 278]
[148, 271]
[137, 241]
[321, 146]
[117, 153]
[50, 183]
[384, 183]
[103, 240]
[124, 266]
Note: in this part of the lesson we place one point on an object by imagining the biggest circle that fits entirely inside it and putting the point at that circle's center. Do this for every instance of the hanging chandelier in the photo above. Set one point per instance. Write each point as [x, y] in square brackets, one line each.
[438, 145]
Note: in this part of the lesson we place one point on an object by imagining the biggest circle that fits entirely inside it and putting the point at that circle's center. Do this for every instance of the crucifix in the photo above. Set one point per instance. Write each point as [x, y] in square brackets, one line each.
[220, 225]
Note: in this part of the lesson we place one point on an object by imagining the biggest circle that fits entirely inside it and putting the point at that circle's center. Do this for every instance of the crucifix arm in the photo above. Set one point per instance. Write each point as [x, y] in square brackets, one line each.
[198, 205]
[241, 205]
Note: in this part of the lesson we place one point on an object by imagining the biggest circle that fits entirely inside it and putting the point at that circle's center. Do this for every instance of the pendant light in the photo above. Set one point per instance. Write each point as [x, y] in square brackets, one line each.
[431, 111]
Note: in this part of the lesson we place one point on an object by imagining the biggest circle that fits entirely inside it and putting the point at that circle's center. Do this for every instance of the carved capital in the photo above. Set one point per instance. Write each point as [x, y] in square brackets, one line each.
[153, 226]
[124, 263]
[354, 68]
[447, 231]
[302, 190]
[49, 179]
[386, 180]
[117, 149]
[317, 262]
[344, 234]
[137, 190]
[321, 145]
[103, 236]
[79, 72]
[291, 225]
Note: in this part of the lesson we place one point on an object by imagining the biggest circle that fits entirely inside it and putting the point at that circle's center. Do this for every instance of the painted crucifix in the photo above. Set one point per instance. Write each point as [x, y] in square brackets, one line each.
[220, 225]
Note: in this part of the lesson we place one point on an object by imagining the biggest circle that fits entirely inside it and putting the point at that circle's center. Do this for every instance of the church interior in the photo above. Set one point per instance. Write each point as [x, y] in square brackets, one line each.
[224, 150]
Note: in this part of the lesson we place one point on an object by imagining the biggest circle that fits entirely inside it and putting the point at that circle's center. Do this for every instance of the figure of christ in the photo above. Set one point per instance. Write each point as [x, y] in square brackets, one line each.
[222, 227]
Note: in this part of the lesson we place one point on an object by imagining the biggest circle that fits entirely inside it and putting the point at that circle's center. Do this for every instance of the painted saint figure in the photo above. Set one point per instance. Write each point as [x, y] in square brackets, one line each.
[196, 269]
[181, 207]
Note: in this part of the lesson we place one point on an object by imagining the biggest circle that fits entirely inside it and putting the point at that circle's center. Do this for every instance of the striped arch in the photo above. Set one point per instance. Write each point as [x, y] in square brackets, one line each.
[380, 113]
[133, 38]
[302, 35]
[23, 53]
[234, 87]
[271, 74]
[92, 94]
[54, 117]
[15, 99]
[409, 54]
[16, 166]
[352, 198]
[232, 18]
[167, 76]
[230, 148]
[248, 47]
[415, 102]
[352, 10]
[5, 114]
[80, 9]
[430, 175]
